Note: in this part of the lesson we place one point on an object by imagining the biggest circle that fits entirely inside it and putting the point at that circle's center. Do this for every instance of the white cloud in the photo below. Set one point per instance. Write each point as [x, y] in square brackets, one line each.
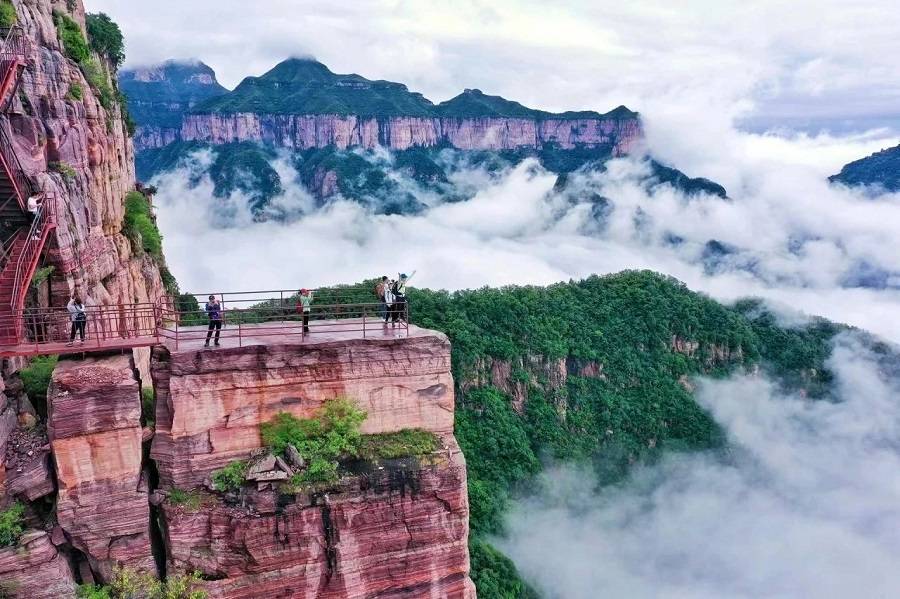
[825, 59]
[804, 505]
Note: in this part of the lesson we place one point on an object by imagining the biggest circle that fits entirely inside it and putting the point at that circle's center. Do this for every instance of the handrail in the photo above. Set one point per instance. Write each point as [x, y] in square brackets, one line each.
[20, 181]
[37, 232]
[15, 42]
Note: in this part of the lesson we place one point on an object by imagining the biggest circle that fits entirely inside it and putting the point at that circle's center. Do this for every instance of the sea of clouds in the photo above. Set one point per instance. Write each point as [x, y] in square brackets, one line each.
[806, 502]
[798, 241]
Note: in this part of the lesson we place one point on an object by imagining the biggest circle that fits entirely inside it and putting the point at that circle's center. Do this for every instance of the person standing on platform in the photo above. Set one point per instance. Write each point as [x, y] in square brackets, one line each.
[79, 319]
[304, 306]
[214, 313]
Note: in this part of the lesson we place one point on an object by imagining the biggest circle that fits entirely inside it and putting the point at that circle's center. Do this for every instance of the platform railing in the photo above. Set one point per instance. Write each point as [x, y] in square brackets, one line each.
[246, 316]
[48, 330]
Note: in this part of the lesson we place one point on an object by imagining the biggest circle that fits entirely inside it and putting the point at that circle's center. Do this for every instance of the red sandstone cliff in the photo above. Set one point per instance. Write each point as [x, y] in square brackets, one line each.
[302, 131]
[50, 127]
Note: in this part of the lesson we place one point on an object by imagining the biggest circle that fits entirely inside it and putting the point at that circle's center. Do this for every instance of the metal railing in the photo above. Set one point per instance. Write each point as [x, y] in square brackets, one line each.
[10, 161]
[13, 53]
[247, 318]
[37, 233]
[49, 330]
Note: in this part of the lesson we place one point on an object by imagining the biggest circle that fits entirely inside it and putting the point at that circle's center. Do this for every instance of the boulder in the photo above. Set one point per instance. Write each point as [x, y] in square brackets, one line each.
[35, 569]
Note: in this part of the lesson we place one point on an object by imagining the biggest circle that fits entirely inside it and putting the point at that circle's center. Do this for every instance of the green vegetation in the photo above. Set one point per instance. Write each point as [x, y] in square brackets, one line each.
[64, 169]
[189, 500]
[36, 377]
[148, 406]
[75, 92]
[330, 436]
[106, 38]
[128, 584]
[304, 86]
[76, 48]
[231, 477]
[8, 15]
[140, 227]
[410, 442]
[628, 412]
[40, 275]
[12, 524]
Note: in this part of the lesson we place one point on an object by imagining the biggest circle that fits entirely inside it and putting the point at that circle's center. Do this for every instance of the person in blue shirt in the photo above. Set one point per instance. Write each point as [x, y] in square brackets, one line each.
[214, 312]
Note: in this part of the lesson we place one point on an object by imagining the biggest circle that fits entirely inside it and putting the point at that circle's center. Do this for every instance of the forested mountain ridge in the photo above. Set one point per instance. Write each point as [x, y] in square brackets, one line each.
[598, 372]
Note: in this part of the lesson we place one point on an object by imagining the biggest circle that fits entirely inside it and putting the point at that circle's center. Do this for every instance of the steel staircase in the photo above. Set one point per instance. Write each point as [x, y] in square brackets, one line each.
[23, 232]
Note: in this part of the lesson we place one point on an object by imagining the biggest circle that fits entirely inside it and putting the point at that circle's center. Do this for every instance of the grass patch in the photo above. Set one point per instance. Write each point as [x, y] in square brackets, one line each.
[231, 477]
[410, 442]
[37, 376]
[129, 584]
[148, 405]
[12, 524]
[8, 15]
[41, 275]
[139, 227]
[63, 169]
[190, 500]
[75, 92]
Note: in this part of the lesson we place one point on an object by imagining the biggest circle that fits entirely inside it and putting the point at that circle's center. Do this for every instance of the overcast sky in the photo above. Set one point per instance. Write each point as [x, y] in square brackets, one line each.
[768, 63]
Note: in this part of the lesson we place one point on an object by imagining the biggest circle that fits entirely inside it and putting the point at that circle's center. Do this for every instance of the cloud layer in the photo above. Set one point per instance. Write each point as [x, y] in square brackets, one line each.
[794, 239]
[828, 62]
[805, 504]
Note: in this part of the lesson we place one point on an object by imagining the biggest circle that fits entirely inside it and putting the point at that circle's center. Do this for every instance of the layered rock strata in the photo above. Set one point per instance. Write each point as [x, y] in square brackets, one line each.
[35, 569]
[304, 131]
[397, 532]
[210, 404]
[95, 434]
[81, 152]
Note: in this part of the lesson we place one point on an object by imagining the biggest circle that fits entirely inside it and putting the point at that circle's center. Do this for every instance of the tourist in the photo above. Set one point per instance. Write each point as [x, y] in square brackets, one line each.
[388, 301]
[79, 319]
[399, 310]
[304, 306]
[33, 207]
[380, 290]
[214, 312]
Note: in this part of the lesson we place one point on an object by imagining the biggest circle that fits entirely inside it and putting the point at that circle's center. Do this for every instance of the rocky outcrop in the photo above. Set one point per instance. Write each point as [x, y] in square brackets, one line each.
[303, 131]
[210, 404]
[95, 433]
[397, 532]
[81, 152]
[34, 569]
[159, 95]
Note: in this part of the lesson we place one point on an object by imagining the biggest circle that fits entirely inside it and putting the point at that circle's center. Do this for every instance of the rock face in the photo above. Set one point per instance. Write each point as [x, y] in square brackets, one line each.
[401, 534]
[35, 569]
[95, 434]
[159, 95]
[210, 404]
[50, 127]
[304, 131]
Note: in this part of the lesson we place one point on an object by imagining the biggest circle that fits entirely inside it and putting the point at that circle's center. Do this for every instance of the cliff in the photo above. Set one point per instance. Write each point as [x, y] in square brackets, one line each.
[300, 104]
[159, 95]
[80, 149]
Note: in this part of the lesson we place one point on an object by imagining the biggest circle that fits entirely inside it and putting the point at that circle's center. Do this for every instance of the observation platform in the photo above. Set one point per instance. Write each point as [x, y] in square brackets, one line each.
[248, 318]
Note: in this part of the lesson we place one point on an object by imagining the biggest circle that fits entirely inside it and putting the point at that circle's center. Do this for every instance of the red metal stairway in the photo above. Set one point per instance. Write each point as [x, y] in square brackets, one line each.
[23, 232]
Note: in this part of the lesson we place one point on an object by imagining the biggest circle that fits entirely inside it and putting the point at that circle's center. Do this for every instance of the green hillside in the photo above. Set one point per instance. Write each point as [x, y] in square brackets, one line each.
[305, 86]
[625, 399]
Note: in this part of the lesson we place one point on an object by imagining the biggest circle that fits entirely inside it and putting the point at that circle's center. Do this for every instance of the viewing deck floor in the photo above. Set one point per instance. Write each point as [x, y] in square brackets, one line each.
[192, 338]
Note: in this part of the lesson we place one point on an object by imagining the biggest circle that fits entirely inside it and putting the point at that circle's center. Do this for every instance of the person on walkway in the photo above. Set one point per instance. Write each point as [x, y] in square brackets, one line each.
[214, 312]
[33, 207]
[380, 290]
[79, 319]
[304, 306]
[388, 301]
[399, 292]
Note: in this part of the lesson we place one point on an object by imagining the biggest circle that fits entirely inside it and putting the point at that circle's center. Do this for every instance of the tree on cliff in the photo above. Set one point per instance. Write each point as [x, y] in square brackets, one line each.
[106, 38]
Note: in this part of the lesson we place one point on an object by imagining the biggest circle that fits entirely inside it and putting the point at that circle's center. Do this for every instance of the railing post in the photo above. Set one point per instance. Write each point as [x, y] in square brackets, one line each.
[240, 341]
[364, 322]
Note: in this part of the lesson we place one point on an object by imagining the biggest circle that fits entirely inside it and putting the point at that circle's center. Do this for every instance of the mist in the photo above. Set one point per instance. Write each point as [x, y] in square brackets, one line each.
[805, 502]
[793, 238]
